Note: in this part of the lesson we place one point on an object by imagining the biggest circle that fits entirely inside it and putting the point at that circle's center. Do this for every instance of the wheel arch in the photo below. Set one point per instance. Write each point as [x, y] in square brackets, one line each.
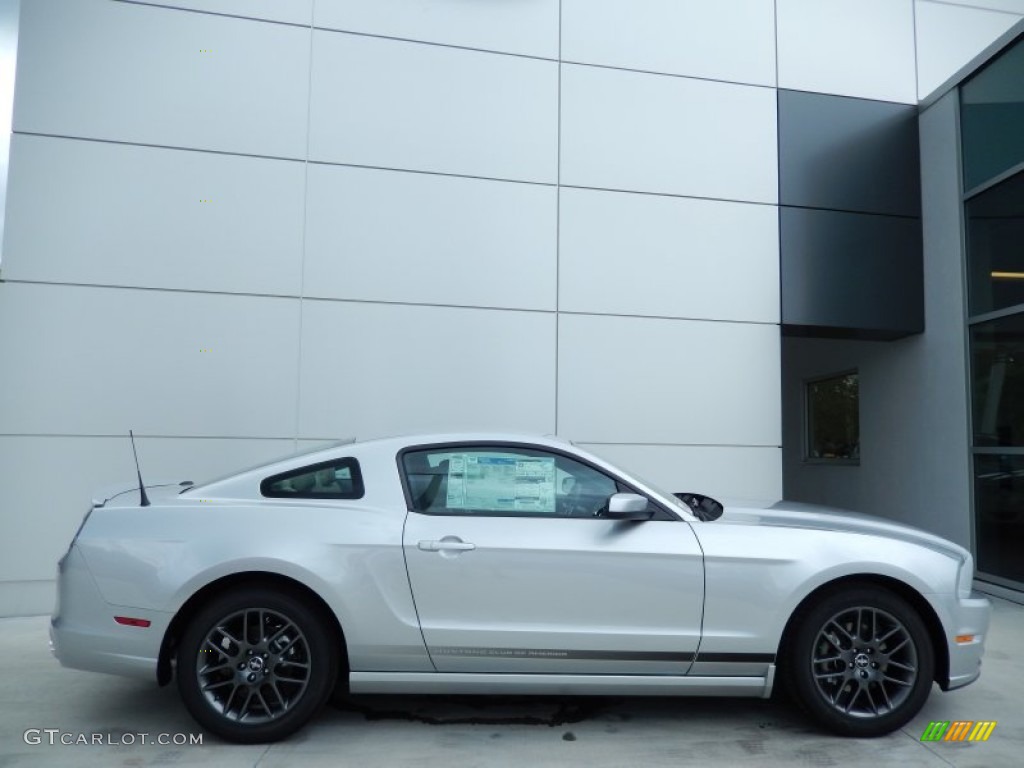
[177, 625]
[916, 600]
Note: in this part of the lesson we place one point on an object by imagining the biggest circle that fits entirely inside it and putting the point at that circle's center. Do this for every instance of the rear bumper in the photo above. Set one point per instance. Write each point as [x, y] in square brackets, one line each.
[84, 635]
[968, 616]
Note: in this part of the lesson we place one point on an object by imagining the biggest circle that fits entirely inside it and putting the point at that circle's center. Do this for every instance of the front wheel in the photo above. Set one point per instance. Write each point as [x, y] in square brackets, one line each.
[862, 662]
[254, 665]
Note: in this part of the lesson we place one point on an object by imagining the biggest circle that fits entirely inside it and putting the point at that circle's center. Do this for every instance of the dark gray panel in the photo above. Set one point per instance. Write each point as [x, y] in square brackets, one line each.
[850, 274]
[848, 154]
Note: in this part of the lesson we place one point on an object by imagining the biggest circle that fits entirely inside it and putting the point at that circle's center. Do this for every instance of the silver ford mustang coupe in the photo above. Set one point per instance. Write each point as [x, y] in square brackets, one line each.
[501, 564]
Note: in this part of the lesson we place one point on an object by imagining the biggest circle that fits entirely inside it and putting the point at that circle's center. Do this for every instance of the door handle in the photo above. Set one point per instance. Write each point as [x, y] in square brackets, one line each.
[447, 544]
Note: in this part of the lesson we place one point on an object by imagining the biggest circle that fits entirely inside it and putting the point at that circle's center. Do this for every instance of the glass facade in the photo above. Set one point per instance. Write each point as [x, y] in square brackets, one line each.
[992, 140]
[999, 511]
[997, 371]
[992, 118]
[995, 231]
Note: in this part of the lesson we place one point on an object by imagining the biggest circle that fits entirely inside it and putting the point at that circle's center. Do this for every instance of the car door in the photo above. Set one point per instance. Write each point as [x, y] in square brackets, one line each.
[513, 570]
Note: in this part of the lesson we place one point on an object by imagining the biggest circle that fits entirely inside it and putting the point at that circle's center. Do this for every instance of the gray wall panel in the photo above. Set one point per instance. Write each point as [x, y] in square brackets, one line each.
[848, 154]
[914, 441]
[849, 236]
[851, 271]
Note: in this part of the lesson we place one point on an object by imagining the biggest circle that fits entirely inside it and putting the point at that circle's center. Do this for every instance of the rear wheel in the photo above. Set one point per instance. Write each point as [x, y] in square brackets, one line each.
[255, 665]
[862, 663]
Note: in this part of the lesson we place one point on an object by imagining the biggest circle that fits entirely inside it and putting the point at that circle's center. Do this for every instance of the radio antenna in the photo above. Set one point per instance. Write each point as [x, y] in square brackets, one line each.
[142, 488]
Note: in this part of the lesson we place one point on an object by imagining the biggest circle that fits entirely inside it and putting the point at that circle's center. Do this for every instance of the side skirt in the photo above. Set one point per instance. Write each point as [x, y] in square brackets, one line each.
[596, 685]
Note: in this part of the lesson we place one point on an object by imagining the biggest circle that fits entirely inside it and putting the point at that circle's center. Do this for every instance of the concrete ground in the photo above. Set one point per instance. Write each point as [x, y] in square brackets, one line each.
[36, 693]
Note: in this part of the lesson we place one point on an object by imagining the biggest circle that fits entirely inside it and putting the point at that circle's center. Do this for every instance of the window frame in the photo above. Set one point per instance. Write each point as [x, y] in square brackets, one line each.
[358, 487]
[660, 511]
[808, 422]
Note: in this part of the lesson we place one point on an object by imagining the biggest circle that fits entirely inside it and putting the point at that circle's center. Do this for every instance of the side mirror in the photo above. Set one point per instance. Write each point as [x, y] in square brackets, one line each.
[627, 506]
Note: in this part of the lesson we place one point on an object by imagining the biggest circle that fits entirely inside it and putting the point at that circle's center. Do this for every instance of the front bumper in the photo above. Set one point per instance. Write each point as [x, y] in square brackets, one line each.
[84, 635]
[966, 616]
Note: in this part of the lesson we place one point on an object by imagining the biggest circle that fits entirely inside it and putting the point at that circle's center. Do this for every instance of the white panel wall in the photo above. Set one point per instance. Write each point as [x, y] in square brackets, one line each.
[414, 237]
[394, 104]
[138, 75]
[654, 133]
[370, 370]
[98, 361]
[729, 474]
[528, 27]
[290, 11]
[949, 36]
[237, 234]
[633, 380]
[48, 482]
[724, 40]
[556, 247]
[141, 216]
[633, 254]
[861, 48]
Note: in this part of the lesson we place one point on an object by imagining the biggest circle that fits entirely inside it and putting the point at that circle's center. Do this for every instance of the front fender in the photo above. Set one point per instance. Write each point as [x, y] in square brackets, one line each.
[756, 576]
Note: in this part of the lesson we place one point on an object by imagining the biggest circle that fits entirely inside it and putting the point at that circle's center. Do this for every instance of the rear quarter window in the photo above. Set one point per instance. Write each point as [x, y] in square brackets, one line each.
[335, 479]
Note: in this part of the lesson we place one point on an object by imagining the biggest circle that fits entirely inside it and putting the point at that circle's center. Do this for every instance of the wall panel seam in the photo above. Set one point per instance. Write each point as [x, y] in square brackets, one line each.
[205, 12]
[305, 226]
[917, 68]
[310, 161]
[141, 435]
[454, 46]
[973, 7]
[853, 211]
[380, 302]
[558, 216]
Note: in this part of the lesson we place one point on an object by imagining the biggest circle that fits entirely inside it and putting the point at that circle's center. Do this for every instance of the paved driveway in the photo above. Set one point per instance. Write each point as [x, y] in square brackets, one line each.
[425, 731]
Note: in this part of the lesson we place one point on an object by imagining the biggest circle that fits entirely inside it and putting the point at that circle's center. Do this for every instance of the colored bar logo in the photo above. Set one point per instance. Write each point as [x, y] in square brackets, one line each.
[958, 730]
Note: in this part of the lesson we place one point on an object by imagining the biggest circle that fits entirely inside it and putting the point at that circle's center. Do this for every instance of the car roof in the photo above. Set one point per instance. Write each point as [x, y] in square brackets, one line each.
[394, 443]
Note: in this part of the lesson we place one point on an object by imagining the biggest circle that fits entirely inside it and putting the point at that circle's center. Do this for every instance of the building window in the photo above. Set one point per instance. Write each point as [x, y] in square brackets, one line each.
[833, 419]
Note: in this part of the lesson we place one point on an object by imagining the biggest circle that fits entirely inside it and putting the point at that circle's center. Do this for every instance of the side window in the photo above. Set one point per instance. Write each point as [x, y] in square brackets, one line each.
[337, 479]
[503, 481]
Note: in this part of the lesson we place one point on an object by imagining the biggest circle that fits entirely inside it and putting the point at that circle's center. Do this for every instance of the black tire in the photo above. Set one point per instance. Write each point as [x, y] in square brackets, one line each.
[256, 664]
[861, 662]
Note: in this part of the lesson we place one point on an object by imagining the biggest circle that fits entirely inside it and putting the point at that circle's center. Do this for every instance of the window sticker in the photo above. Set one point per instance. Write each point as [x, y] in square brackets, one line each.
[501, 483]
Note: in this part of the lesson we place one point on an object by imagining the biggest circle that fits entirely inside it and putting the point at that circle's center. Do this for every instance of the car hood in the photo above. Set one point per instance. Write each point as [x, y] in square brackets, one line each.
[798, 515]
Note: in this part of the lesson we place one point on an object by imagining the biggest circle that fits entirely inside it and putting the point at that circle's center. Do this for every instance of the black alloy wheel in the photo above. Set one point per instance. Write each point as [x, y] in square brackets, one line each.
[255, 665]
[862, 662]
